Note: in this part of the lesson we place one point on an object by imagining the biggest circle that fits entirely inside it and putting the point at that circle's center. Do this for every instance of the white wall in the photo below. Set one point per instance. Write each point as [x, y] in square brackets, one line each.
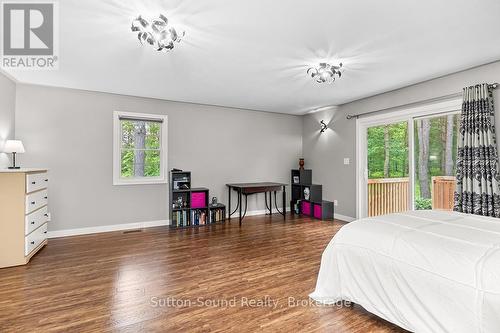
[7, 117]
[70, 132]
[324, 153]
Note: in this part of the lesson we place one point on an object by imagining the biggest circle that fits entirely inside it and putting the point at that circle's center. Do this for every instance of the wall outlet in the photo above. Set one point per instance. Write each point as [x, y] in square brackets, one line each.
[346, 160]
[335, 202]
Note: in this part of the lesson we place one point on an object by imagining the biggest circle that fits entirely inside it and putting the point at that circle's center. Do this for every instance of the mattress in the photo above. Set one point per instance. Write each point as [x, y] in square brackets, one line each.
[425, 271]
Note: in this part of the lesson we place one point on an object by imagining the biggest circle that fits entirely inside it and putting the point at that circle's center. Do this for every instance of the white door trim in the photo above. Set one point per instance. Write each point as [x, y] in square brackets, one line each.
[405, 114]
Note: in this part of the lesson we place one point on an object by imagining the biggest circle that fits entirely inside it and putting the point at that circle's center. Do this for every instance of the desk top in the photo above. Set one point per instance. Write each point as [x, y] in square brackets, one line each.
[251, 185]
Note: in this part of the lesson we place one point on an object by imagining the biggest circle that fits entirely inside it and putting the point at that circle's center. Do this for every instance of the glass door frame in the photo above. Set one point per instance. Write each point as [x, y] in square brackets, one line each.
[441, 108]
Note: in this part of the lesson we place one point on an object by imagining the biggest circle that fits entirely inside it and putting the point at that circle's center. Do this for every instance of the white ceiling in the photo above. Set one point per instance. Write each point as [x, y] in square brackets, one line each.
[254, 54]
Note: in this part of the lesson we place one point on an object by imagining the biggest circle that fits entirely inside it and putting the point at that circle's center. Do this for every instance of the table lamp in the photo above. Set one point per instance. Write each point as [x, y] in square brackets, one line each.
[14, 147]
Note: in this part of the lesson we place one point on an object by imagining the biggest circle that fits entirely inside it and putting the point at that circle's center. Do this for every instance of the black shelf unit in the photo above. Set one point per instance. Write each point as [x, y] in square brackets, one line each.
[189, 206]
[305, 176]
[314, 205]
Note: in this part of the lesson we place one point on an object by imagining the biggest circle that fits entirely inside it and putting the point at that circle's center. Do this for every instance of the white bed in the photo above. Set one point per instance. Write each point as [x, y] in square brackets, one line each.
[426, 271]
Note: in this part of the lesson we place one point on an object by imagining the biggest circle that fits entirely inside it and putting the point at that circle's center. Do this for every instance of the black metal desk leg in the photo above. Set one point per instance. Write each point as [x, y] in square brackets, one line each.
[239, 202]
[270, 203]
[284, 202]
[229, 201]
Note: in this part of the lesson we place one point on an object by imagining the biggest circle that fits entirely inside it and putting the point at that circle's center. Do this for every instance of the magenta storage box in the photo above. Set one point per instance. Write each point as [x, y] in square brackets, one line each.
[306, 208]
[317, 211]
[198, 200]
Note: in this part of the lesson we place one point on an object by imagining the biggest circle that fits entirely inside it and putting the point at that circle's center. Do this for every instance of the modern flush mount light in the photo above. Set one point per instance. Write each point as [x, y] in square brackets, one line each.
[157, 33]
[325, 72]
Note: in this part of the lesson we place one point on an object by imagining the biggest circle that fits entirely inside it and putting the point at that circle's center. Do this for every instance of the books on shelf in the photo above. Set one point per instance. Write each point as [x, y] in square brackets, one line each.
[186, 218]
[217, 215]
[180, 218]
[198, 217]
[192, 217]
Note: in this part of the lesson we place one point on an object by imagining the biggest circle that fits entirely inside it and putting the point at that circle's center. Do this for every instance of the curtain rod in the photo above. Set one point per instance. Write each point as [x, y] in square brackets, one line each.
[436, 99]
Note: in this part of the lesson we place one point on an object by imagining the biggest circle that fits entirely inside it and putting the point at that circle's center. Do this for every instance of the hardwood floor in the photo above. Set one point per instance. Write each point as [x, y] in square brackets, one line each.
[120, 282]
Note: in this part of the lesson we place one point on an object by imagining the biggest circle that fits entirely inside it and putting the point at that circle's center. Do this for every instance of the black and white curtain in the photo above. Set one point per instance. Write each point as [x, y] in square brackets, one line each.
[478, 176]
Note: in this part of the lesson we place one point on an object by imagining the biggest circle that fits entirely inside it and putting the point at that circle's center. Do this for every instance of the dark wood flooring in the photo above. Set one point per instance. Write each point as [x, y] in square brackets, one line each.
[128, 282]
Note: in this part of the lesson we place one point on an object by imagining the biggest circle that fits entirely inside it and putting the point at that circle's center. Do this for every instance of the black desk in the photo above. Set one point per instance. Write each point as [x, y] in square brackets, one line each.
[246, 189]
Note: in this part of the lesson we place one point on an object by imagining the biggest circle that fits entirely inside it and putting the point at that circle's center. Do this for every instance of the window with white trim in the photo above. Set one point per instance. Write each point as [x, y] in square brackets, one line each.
[139, 148]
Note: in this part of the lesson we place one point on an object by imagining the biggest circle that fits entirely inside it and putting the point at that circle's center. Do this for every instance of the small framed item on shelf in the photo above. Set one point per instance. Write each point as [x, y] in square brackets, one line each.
[296, 179]
[307, 192]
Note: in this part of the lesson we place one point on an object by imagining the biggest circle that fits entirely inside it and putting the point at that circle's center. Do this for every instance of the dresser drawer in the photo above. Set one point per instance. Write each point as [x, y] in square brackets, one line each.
[36, 200]
[34, 239]
[36, 219]
[36, 181]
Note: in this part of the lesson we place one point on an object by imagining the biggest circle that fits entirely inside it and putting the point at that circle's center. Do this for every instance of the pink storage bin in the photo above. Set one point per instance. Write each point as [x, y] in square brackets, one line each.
[318, 212]
[198, 200]
[306, 208]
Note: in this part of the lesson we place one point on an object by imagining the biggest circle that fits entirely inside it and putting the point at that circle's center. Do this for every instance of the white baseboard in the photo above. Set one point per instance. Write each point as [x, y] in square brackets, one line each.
[344, 217]
[256, 212]
[262, 212]
[106, 228]
[139, 225]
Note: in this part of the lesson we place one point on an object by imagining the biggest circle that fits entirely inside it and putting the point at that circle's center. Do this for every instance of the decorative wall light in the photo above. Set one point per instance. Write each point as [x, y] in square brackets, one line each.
[325, 72]
[323, 126]
[157, 33]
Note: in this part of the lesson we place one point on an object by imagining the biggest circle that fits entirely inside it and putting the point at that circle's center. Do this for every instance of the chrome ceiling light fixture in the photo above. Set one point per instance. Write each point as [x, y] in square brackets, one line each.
[157, 33]
[325, 73]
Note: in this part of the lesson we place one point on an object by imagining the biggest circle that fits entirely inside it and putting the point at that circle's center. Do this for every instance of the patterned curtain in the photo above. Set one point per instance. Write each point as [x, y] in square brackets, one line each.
[478, 176]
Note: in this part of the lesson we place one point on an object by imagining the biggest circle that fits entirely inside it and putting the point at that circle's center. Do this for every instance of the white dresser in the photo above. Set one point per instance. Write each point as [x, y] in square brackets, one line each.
[23, 214]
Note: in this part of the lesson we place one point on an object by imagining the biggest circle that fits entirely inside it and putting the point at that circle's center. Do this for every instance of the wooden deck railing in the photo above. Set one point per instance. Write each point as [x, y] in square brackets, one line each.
[443, 189]
[387, 195]
[391, 195]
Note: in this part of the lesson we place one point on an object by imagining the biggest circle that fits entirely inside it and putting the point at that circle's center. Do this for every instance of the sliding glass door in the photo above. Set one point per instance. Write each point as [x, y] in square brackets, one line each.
[435, 147]
[388, 165]
[406, 160]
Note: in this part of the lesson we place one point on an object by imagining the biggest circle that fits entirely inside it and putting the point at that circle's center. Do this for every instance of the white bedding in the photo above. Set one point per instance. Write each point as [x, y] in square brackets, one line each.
[426, 271]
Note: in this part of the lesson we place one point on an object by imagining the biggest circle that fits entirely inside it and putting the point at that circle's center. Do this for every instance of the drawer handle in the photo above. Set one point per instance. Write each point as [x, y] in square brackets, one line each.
[32, 242]
[45, 197]
[45, 232]
[33, 183]
[46, 180]
[32, 222]
[33, 202]
[46, 215]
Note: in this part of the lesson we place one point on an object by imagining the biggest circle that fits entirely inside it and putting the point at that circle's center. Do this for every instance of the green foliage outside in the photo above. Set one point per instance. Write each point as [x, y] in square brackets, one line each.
[436, 150]
[140, 148]
[397, 141]
[423, 203]
[398, 151]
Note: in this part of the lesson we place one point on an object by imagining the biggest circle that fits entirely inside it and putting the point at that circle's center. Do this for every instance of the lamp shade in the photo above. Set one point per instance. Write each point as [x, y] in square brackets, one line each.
[13, 146]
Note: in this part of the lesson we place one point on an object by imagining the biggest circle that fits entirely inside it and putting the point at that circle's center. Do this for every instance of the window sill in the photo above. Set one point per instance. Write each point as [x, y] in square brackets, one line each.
[121, 182]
